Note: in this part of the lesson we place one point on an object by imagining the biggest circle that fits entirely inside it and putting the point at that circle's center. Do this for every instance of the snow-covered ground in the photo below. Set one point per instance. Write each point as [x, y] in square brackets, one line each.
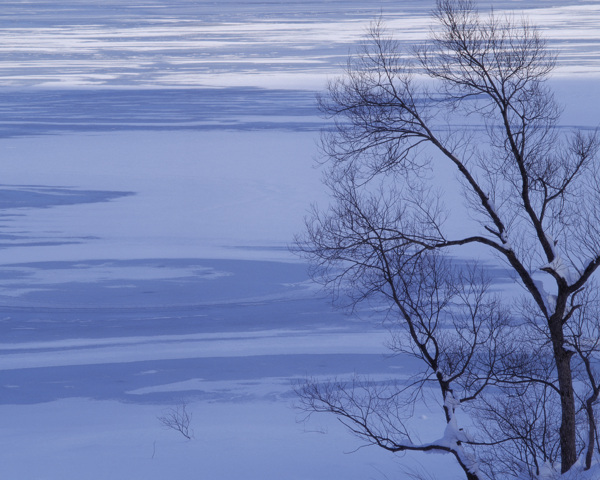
[157, 159]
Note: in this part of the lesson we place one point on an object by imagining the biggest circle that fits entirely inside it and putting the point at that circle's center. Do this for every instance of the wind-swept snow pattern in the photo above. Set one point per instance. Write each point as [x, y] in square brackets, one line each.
[157, 159]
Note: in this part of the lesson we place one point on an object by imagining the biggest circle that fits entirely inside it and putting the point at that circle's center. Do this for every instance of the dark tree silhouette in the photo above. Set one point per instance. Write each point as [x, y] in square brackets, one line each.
[474, 97]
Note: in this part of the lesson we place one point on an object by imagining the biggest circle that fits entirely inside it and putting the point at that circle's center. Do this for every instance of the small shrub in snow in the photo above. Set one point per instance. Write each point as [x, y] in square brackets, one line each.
[178, 419]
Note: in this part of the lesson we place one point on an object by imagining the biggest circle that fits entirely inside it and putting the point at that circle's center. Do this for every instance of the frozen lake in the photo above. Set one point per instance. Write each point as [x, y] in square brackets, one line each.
[157, 159]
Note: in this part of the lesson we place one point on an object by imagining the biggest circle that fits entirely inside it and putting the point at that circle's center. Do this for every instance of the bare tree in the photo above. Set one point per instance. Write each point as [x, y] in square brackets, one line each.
[179, 419]
[427, 293]
[475, 99]
[583, 337]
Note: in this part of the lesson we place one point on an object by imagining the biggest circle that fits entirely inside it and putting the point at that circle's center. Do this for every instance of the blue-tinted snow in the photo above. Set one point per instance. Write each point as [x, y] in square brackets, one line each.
[132, 133]
[40, 112]
[42, 196]
[15, 200]
[115, 381]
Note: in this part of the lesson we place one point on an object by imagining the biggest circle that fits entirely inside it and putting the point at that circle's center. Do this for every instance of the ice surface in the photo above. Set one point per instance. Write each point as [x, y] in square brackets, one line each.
[157, 161]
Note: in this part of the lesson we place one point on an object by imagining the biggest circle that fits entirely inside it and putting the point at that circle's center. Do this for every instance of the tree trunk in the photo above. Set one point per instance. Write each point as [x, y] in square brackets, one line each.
[592, 431]
[562, 358]
[567, 402]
